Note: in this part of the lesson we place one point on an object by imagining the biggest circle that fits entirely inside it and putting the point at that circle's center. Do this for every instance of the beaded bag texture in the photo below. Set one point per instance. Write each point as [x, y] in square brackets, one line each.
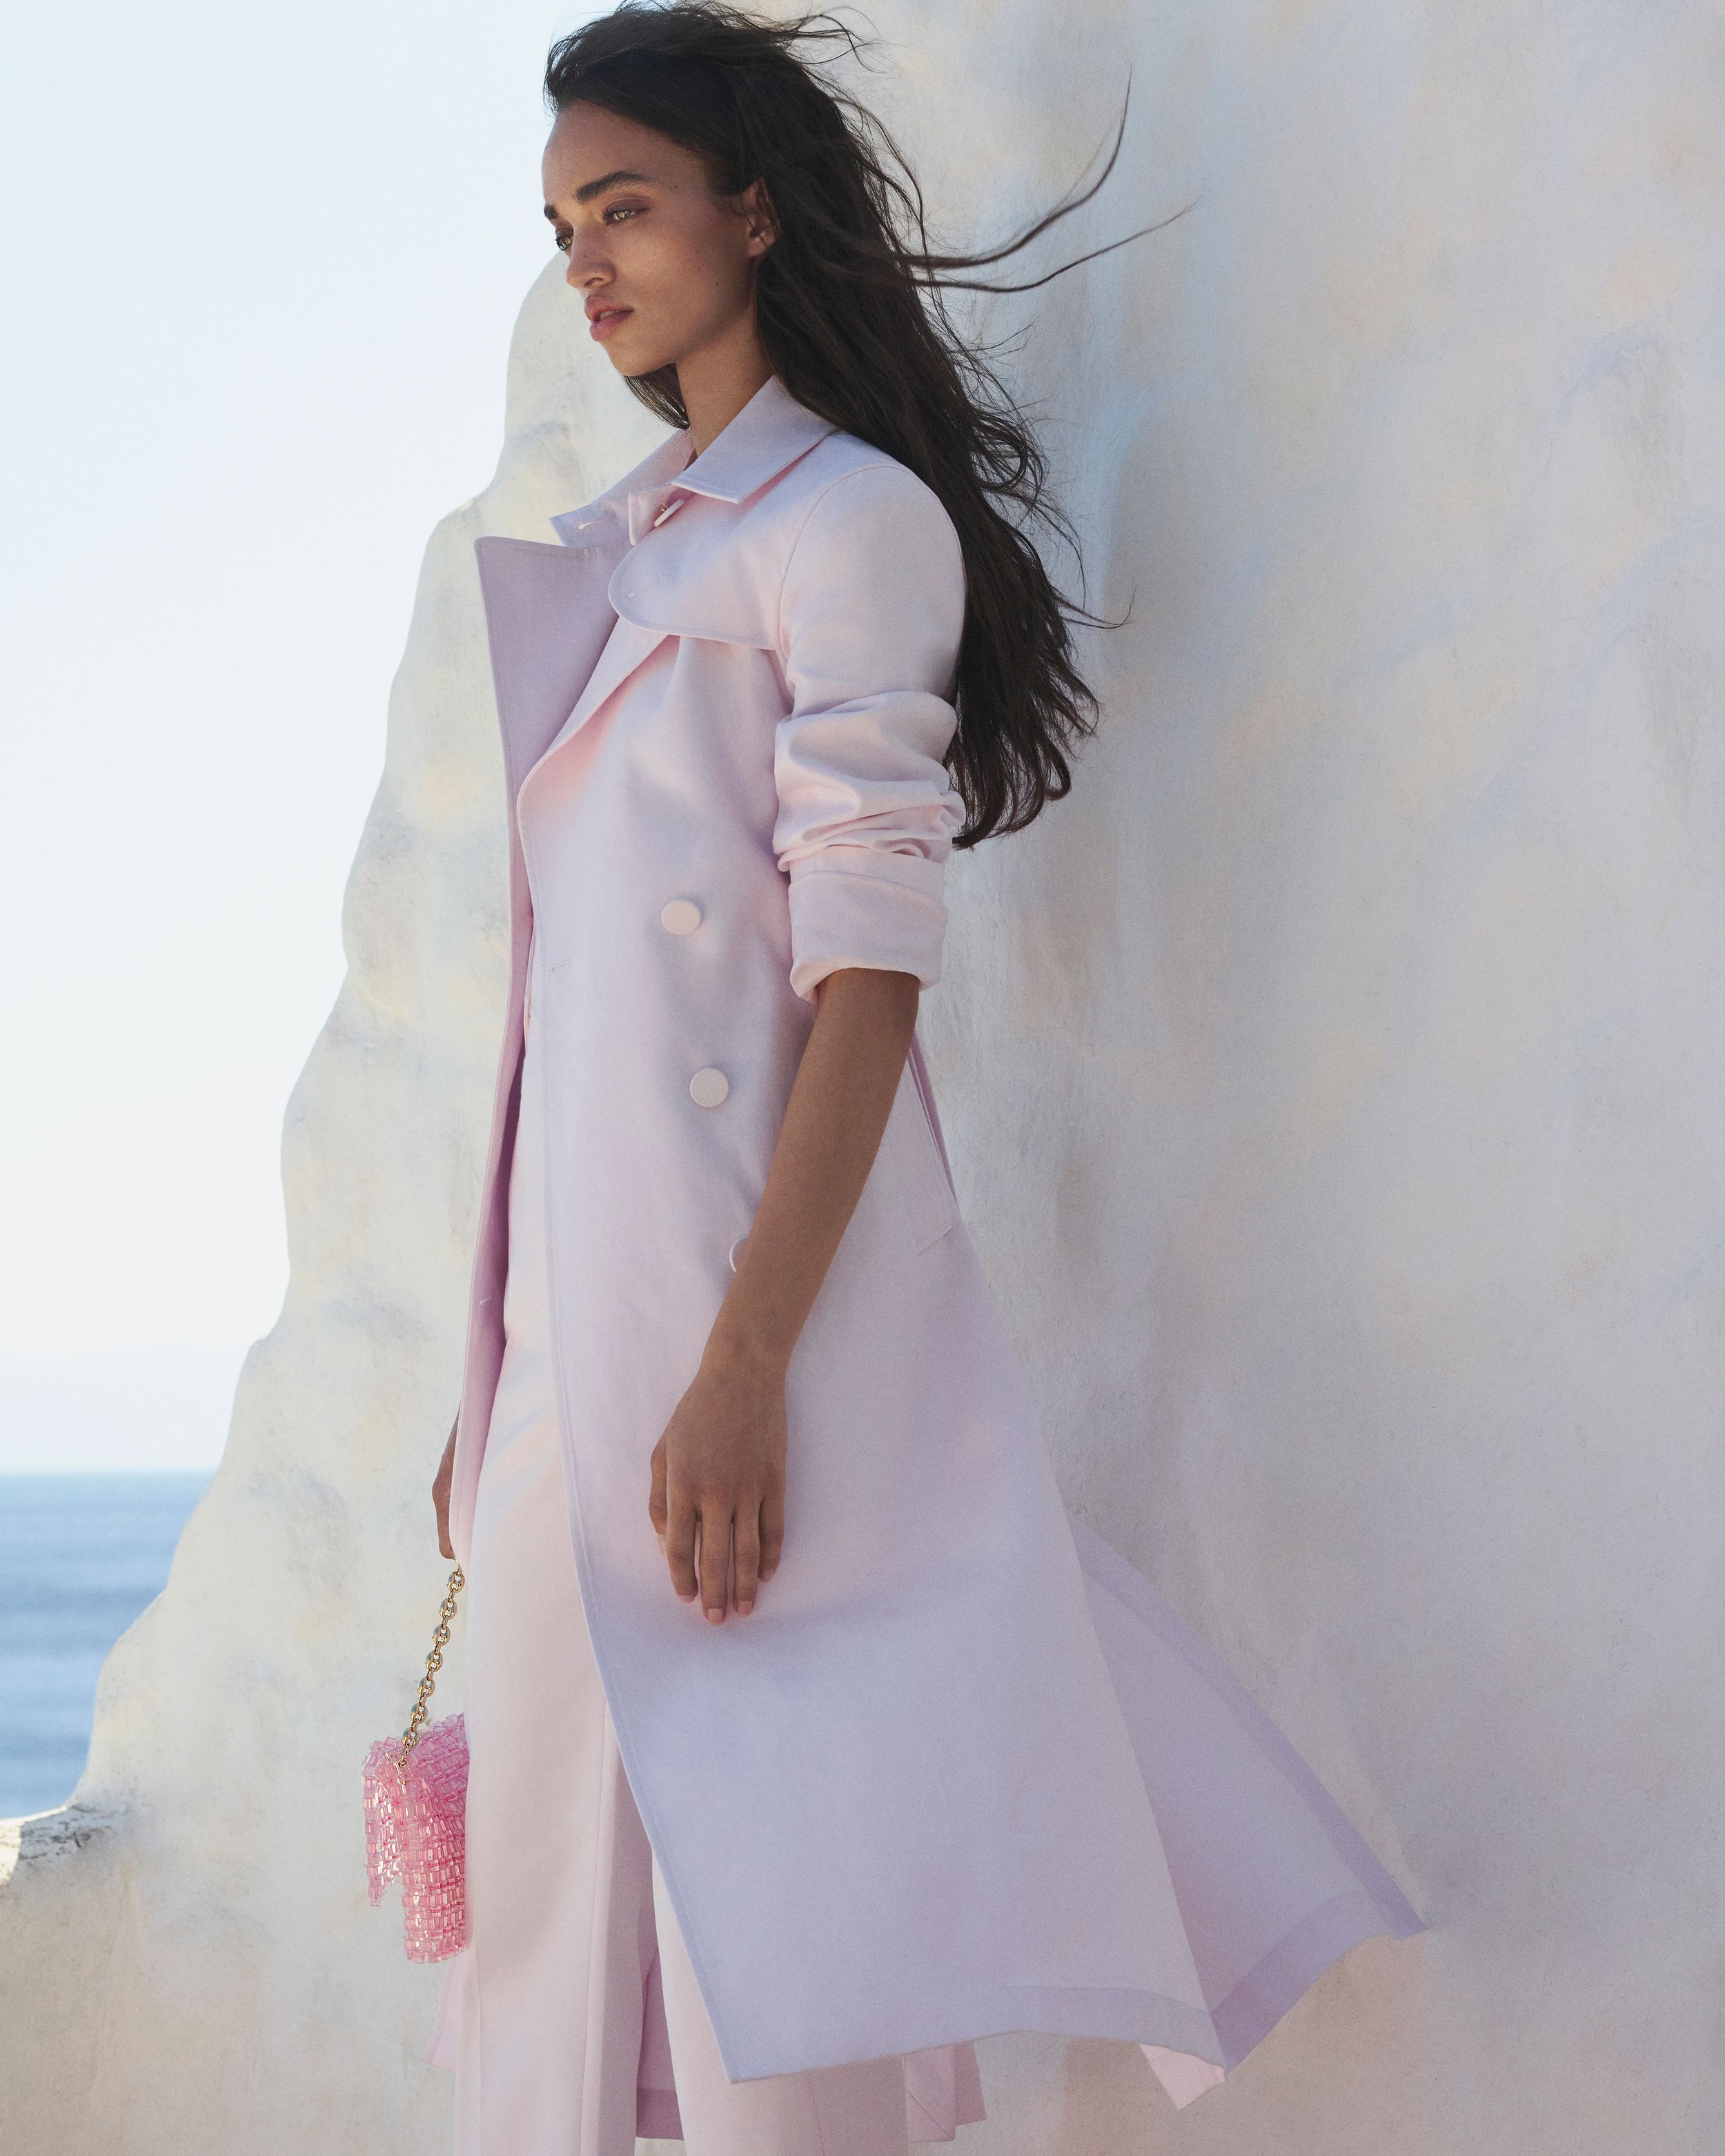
[416, 1815]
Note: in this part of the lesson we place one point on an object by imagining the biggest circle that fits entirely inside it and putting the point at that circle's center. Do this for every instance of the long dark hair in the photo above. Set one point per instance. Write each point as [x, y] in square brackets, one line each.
[852, 319]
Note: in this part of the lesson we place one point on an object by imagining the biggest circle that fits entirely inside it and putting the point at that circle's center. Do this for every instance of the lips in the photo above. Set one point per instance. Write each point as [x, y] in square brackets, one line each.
[602, 320]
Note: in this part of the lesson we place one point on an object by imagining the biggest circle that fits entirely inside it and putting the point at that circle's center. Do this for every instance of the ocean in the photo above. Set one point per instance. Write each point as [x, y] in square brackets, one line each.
[81, 1556]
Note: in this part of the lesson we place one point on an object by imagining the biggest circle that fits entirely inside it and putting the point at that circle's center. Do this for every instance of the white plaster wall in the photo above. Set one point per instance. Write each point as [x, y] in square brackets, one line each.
[1335, 1084]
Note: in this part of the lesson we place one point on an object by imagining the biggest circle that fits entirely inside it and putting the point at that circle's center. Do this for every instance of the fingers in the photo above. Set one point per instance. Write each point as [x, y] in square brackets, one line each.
[440, 1498]
[706, 1545]
[714, 1557]
[746, 1549]
[718, 1508]
[679, 1543]
[771, 1530]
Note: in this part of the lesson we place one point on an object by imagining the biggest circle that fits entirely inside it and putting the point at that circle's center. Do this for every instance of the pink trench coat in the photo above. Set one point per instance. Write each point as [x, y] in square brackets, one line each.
[963, 1771]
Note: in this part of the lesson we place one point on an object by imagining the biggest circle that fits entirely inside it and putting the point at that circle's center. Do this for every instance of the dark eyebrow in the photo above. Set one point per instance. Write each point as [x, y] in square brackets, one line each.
[598, 187]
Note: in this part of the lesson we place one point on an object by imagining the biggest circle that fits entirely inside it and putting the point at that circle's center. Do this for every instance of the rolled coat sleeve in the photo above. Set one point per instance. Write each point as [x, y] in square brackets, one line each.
[871, 612]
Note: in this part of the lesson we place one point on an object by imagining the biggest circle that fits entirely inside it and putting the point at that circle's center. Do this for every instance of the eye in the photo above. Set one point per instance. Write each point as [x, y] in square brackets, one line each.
[621, 209]
[560, 240]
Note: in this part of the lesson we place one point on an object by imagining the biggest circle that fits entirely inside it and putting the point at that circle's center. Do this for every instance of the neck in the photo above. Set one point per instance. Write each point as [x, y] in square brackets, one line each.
[716, 381]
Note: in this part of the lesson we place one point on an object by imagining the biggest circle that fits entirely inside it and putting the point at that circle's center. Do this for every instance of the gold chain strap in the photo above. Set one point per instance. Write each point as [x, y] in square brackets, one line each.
[434, 1663]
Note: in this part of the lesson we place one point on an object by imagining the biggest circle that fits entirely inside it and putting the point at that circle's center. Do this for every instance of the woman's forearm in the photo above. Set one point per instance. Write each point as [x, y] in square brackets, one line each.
[838, 1105]
[716, 1480]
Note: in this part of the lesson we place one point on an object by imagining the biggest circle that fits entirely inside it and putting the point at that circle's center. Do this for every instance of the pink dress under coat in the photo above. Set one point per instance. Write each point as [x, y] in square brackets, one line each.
[963, 1771]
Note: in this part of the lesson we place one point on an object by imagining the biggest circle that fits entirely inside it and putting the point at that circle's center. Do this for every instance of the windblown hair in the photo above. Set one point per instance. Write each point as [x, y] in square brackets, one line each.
[850, 314]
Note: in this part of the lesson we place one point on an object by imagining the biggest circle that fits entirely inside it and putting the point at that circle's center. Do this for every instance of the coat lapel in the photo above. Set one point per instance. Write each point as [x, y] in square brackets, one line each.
[626, 647]
[566, 631]
[548, 614]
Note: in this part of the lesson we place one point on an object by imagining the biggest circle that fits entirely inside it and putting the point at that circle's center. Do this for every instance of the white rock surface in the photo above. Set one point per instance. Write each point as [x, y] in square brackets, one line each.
[1334, 1082]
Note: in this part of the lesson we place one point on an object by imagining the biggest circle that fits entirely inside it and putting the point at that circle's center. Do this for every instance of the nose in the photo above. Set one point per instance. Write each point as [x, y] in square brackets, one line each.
[587, 267]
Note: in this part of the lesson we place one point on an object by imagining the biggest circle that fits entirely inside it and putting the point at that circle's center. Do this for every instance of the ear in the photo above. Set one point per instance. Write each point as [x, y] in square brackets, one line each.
[762, 217]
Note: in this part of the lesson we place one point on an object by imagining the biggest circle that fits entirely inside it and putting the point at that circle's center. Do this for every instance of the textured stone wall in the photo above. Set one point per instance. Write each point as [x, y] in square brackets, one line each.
[1334, 1086]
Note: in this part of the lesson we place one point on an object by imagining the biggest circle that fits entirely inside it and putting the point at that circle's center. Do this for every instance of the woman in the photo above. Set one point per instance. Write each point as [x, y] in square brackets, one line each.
[810, 1740]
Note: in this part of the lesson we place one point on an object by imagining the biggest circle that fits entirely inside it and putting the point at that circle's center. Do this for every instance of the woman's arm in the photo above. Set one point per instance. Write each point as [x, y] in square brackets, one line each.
[871, 612]
[721, 1459]
[872, 615]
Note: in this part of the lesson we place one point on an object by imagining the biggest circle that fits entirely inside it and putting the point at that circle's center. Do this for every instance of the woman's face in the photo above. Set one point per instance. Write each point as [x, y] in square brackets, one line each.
[665, 266]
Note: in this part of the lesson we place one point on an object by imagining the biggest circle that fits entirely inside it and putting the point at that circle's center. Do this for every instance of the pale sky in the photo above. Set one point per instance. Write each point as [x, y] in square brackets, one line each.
[262, 265]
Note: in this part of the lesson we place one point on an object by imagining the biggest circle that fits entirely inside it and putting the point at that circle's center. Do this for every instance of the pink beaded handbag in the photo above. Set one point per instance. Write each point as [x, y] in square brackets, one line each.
[416, 1815]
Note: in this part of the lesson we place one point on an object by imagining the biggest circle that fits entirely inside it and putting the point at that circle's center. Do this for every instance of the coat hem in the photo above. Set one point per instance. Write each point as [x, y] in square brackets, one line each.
[1291, 1967]
[1140, 2017]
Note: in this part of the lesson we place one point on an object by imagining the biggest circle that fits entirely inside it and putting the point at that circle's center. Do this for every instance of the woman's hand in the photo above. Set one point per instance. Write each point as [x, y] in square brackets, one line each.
[441, 1493]
[721, 1459]
[720, 1463]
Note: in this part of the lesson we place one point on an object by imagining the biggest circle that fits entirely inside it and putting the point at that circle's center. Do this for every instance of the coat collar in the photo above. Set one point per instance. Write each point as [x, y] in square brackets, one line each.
[771, 431]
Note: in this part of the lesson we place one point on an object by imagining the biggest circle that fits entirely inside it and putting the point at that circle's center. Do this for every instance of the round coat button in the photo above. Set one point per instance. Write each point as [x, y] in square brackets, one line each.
[681, 916]
[708, 1087]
